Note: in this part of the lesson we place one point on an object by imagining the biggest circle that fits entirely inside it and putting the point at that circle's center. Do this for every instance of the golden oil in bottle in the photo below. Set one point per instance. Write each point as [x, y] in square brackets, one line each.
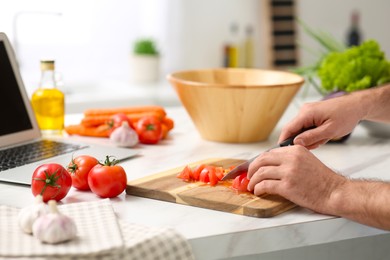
[48, 101]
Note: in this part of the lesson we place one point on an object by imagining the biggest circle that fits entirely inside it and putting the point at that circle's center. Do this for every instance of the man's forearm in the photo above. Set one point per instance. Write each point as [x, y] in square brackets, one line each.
[365, 202]
[375, 102]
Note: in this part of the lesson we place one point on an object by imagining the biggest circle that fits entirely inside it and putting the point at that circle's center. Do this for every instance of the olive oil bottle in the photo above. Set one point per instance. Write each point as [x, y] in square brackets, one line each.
[48, 101]
[234, 47]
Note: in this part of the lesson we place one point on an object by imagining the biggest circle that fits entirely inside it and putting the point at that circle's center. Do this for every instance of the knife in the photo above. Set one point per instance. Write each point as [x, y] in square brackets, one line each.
[243, 167]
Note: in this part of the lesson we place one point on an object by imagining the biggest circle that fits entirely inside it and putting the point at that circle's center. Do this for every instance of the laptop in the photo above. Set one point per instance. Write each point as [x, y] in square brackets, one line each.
[20, 133]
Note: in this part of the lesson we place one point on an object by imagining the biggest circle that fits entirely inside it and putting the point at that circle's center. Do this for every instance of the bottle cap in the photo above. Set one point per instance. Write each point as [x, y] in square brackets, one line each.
[47, 64]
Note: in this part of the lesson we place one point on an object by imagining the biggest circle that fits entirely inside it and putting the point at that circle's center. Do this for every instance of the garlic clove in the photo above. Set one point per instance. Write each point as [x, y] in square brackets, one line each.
[54, 227]
[29, 214]
[124, 136]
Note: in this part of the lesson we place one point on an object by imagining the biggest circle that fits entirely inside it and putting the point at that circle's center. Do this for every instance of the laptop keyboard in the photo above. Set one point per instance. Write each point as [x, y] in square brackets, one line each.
[33, 152]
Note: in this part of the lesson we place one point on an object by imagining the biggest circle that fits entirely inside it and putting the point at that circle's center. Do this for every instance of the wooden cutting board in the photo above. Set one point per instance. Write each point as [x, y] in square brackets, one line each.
[165, 186]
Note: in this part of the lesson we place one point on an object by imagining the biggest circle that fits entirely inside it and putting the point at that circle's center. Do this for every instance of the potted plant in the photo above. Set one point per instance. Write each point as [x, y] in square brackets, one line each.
[145, 61]
[340, 70]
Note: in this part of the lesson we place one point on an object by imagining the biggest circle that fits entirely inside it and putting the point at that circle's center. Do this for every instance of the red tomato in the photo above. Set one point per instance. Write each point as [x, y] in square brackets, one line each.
[240, 183]
[52, 181]
[79, 168]
[117, 120]
[149, 130]
[107, 180]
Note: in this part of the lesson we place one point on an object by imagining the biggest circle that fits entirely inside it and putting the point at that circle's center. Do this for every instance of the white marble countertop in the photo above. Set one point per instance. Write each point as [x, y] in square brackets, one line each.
[214, 234]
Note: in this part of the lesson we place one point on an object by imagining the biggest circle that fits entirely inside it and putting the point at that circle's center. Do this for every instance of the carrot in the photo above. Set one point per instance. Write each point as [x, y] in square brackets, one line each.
[96, 120]
[99, 131]
[93, 121]
[168, 122]
[125, 110]
[164, 130]
[166, 126]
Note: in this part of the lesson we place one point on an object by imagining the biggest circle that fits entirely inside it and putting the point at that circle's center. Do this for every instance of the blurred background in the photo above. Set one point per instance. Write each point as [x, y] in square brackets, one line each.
[92, 40]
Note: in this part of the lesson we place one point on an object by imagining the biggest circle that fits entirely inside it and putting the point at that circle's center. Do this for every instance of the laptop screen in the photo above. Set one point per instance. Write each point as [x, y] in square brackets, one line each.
[14, 115]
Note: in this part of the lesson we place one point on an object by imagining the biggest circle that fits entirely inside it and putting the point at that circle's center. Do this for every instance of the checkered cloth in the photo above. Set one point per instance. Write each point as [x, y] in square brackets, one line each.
[99, 236]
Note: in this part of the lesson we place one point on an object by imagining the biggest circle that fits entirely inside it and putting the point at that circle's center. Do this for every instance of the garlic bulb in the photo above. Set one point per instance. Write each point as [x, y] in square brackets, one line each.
[54, 227]
[124, 136]
[29, 214]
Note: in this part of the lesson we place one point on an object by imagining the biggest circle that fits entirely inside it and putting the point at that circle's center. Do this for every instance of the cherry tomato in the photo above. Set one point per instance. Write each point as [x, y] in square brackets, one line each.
[52, 181]
[107, 180]
[149, 130]
[240, 183]
[116, 121]
[79, 168]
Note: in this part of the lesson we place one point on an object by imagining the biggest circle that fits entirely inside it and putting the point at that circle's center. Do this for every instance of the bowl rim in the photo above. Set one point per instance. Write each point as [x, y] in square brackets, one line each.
[171, 77]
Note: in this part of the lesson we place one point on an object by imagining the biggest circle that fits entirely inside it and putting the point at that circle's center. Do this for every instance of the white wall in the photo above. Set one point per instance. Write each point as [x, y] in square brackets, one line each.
[91, 39]
[197, 30]
[333, 16]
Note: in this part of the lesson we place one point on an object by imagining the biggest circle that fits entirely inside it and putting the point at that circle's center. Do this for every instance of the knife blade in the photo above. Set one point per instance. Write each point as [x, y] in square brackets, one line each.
[243, 167]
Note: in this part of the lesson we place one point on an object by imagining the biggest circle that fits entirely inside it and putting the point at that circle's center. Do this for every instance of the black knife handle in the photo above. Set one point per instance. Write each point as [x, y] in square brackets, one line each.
[290, 141]
[287, 142]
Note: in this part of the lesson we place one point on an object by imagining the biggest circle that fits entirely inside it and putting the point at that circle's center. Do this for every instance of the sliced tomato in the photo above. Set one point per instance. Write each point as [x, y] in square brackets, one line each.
[244, 184]
[204, 175]
[208, 175]
[185, 174]
[220, 172]
[196, 172]
[240, 183]
[191, 173]
[213, 179]
[236, 183]
[232, 167]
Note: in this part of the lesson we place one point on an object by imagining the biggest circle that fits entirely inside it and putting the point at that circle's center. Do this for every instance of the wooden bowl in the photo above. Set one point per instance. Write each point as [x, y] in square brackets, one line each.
[235, 105]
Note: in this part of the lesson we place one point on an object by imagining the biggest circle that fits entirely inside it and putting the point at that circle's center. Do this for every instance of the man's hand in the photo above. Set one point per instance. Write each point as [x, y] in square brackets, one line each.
[332, 119]
[294, 173]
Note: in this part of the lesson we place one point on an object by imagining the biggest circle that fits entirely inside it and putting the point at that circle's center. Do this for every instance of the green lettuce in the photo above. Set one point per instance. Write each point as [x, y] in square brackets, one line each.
[355, 68]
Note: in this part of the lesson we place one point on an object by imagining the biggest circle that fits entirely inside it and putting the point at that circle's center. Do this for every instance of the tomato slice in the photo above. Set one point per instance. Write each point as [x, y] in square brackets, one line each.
[236, 183]
[196, 172]
[244, 184]
[240, 183]
[212, 175]
[213, 178]
[204, 175]
[220, 172]
[185, 174]
[232, 167]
